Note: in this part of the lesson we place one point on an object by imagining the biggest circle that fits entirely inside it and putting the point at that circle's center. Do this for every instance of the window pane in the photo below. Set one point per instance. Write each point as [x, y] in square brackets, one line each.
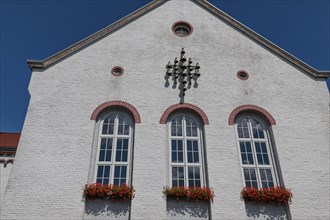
[105, 149]
[242, 129]
[124, 158]
[120, 175]
[103, 174]
[190, 157]
[196, 154]
[266, 178]
[102, 154]
[117, 171]
[176, 126]
[261, 152]
[106, 181]
[195, 146]
[108, 124]
[107, 171]
[180, 156]
[123, 125]
[122, 150]
[246, 153]
[119, 149]
[123, 171]
[257, 130]
[100, 171]
[103, 144]
[192, 151]
[250, 177]
[177, 176]
[193, 176]
[181, 173]
[190, 173]
[174, 157]
[191, 127]
[177, 151]
[189, 145]
[197, 173]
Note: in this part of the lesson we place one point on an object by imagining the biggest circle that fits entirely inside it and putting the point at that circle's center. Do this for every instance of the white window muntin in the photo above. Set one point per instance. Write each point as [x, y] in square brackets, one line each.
[266, 137]
[115, 137]
[185, 164]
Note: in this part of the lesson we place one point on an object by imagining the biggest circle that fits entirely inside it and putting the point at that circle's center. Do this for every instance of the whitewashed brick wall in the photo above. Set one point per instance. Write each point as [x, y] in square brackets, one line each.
[52, 161]
[4, 175]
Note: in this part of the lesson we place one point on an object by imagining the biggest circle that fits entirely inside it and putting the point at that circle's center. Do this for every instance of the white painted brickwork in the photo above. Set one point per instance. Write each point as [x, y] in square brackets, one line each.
[54, 153]
[186, 210]
[105, 210]
[4, 175]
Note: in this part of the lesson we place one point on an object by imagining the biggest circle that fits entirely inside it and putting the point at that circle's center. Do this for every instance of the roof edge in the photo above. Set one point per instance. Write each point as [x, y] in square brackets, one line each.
[41, 64]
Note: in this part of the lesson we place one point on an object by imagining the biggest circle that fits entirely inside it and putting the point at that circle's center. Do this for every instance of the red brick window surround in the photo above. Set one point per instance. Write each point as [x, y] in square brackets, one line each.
[182, 28]
[242, 75]
[117, 71]
[111, 104]
[5, 162]
[251, 109]
[186, 107]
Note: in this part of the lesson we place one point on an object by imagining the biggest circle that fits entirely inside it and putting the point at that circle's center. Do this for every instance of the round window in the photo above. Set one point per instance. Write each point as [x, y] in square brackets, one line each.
[182, 28]
[242, 75]
[117, 71]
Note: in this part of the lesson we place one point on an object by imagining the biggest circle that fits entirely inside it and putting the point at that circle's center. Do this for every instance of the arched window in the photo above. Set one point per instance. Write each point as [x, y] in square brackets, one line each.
[114, 149]
[256, 153]
[186, 151]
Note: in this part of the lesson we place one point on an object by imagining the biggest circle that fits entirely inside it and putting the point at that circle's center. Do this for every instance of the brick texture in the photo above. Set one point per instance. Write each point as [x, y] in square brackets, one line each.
[52, 162]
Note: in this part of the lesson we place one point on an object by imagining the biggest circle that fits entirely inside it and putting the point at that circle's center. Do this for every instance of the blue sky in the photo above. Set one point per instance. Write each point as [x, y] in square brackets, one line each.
[38, 29]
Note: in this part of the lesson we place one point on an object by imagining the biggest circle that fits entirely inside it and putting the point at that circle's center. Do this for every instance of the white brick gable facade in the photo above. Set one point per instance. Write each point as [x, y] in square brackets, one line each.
[54, 156]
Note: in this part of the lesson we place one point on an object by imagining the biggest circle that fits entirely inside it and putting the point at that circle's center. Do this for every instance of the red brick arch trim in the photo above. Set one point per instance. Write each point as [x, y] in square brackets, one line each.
[187, 107]
[4, 161]
[252, 109]
[122, 104]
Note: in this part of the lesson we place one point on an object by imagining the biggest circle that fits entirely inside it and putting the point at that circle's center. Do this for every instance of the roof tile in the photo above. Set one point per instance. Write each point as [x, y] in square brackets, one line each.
[9, 139]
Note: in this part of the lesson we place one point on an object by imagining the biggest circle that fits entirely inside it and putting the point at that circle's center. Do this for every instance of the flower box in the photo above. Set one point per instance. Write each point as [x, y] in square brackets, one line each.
[272, 194]
[110, 192]
[189, 193]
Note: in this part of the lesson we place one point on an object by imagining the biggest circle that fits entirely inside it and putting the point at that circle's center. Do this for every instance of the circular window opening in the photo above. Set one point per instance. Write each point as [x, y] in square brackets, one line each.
[117, 71]
[182, 28]
[242, 75]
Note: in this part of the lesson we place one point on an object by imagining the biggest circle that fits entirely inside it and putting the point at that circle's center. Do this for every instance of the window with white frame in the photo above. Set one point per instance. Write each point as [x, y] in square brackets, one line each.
[256, 154]
[114, 147]
[185, 147]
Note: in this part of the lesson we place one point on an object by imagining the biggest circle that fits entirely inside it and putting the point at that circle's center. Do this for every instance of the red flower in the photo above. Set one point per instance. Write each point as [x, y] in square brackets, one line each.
[100, 191]
[272, 194]
[190, 194]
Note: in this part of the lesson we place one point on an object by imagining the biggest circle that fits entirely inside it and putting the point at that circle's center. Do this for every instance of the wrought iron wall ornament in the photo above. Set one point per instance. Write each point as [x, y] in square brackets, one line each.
[182, 72]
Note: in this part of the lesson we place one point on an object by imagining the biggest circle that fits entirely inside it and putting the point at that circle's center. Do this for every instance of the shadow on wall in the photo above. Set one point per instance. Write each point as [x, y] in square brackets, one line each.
[184, 209]
[104, 209]
[265, 211]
